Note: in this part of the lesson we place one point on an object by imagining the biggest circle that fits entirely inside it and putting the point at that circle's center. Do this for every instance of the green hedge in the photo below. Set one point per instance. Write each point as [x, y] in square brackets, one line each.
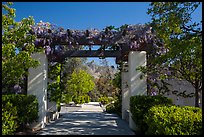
[139, 106]
[9, 119]
[174, 120]
[26, 107]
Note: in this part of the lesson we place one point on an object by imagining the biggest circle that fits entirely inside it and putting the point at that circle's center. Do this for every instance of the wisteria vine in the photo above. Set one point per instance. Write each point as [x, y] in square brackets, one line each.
[56, 40]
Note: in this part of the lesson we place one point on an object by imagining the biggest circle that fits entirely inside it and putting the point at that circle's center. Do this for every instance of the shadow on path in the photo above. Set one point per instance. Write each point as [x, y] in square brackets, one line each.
[87, 123]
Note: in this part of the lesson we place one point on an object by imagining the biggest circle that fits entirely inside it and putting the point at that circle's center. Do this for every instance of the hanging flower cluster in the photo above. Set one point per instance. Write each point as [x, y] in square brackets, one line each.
[133, 37]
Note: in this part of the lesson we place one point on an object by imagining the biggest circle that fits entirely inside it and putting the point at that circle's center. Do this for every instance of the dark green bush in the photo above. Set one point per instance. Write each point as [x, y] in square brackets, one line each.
[139, 106]
[9, 119]
[104, 100]
[26, 105]
[110, 108]
[174, 120]
[115, 107]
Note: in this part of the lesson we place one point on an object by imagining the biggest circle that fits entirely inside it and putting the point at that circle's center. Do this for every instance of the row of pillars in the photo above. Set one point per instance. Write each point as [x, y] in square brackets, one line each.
[131, 84]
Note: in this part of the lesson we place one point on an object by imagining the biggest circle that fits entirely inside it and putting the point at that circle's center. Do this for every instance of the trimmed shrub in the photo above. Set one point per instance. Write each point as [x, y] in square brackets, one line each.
[26, 105]
[9, 118]
[174, 120]
[139, 106]
[104, 100]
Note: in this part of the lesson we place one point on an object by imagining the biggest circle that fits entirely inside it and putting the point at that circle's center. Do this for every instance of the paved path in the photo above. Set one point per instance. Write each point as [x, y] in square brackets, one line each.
[88, 120]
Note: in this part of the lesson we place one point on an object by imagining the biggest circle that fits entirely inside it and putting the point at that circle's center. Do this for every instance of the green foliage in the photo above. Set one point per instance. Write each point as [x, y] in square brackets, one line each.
[82, 99]
[104, 100]
[54, 88]
[87, 99]
[115, 107]
[54, 72]
[26, 106]
[80, 83]
[76, 99]
[66, 98]
[182, 38]
[58, 106]
[140, 104]
[105, 82]
[68, 68]
[110, 108]
[79, 99]
[9, 119]
[54, 91]
[14, 37]
[117, 80]
[94, 95]
[174, 120]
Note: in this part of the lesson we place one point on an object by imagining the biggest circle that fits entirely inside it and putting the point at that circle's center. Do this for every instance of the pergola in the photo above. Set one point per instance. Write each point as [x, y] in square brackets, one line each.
[128, 44]
[60, 43]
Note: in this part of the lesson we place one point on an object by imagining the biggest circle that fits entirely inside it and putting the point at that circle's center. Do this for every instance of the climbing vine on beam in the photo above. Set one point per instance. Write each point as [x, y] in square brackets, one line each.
[57, 40]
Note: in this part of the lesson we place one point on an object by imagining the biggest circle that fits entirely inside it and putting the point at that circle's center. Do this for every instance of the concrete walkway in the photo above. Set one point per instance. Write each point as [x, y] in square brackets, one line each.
[86, 120]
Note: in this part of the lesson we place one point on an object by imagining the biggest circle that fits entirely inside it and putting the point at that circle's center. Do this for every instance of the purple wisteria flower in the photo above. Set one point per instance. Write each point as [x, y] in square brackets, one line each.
[47, 50]
[153, 92]
[17, 89]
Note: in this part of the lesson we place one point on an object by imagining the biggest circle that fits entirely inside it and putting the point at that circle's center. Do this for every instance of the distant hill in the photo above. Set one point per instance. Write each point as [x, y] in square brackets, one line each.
[96, 70]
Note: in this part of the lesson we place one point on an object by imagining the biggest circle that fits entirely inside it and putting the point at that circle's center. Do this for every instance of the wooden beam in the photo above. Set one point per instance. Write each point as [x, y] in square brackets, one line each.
[92, 53]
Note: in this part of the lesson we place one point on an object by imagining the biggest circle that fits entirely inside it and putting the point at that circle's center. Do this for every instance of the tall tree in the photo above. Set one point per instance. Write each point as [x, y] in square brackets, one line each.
[182, 38]
[68, 68]
[80, 83]
[17, 46]
[105, 81]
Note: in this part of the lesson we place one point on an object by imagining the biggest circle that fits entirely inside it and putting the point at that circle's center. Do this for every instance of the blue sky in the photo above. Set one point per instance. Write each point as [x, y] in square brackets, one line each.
[87, 15]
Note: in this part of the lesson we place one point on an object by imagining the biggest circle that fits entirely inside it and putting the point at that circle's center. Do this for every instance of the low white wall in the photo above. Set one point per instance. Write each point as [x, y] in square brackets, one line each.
[37, 85]
[181, 85]
[132, 85]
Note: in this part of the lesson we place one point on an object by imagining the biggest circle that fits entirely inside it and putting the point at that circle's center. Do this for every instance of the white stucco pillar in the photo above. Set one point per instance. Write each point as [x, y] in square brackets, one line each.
[125, 92]
[136, 85]
[37, 85]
